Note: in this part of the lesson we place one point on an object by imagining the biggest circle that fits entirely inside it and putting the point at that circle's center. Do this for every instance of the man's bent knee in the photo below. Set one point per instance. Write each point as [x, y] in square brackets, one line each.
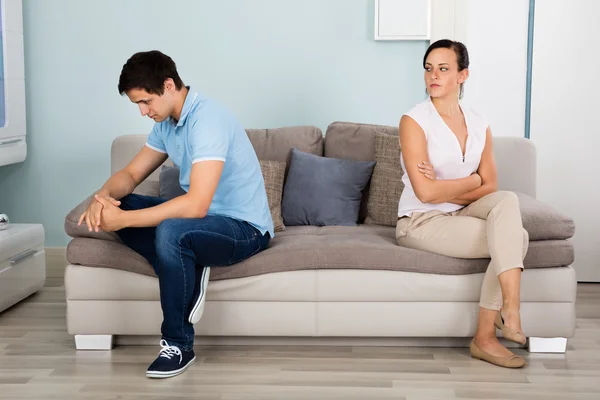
[167, 231]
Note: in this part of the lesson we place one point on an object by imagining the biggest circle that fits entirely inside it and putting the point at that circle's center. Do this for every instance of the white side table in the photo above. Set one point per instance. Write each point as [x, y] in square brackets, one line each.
[22, 262]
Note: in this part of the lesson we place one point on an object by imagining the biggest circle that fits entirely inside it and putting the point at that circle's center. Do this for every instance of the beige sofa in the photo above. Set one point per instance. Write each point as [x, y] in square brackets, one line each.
[328, 285]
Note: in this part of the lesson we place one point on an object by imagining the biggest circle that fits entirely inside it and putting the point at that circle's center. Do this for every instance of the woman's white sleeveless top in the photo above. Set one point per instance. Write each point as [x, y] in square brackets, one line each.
[444, 153]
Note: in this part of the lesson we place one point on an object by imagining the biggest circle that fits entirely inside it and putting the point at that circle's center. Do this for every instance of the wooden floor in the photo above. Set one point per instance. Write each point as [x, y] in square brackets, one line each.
[38, 361]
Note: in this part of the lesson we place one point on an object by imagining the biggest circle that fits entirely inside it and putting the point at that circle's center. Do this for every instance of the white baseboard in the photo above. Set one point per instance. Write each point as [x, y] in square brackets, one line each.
[56, 251]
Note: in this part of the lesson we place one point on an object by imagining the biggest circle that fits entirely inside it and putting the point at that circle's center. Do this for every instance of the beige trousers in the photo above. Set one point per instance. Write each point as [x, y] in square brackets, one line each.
[490, 227]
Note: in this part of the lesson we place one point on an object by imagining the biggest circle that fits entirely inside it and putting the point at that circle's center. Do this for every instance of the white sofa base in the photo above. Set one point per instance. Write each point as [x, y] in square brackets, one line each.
[307, 319]
[318, 307]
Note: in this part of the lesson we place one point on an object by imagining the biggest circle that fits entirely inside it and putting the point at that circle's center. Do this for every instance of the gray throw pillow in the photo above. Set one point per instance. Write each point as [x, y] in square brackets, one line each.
[323, 191]
[169, 183]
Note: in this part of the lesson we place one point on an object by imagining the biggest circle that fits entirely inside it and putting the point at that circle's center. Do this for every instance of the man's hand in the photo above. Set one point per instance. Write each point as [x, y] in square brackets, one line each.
[93, 215]
[113, 218]
[427, 169]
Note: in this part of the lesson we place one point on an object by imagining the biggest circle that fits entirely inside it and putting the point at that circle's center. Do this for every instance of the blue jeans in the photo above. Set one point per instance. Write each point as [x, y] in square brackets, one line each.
[178, 249]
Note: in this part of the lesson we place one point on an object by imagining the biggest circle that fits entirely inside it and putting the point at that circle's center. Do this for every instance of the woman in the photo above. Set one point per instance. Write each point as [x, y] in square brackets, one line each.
[450, 204]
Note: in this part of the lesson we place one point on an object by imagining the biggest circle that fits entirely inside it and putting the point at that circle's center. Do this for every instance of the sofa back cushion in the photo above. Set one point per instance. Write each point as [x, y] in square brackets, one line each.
[269, 144]
[277, 144]
[355, 141]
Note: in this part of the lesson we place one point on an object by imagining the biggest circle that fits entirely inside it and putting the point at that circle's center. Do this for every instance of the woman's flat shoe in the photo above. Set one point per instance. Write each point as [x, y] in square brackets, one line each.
[513, 361]
[509, 333]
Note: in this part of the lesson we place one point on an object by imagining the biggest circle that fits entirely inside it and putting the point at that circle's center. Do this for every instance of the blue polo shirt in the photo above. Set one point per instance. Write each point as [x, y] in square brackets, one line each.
[206, 131]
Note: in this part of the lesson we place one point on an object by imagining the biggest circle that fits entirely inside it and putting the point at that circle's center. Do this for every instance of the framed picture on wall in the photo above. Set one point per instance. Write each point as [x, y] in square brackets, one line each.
[403, 19]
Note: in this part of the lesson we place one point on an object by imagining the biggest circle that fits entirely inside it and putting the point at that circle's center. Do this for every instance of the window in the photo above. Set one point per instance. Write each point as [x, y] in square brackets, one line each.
[2, 100]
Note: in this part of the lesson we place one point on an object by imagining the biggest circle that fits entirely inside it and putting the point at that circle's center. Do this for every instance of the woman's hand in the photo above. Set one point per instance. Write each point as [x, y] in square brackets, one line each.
[427, 169]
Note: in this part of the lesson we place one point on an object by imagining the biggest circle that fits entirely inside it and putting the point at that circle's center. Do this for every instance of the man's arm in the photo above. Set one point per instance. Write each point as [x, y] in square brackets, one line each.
[123, 182]
[488, 172]
[208, 144]
[414, 151]
[204, 178]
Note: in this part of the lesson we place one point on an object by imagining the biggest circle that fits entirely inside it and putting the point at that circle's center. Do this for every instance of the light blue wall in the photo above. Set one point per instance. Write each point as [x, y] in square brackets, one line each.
[274, 62]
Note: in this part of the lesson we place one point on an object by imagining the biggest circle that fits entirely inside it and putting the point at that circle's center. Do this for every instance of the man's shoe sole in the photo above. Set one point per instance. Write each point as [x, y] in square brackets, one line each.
[198, 308]
[169, 374]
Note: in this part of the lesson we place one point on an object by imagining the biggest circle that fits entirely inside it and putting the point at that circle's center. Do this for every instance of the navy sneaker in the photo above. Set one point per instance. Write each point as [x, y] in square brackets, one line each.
[199, 295]
[171, 361]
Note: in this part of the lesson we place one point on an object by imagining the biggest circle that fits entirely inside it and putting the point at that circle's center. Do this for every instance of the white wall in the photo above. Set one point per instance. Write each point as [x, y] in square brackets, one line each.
[495, 33]
[565, 121]
[565, 125]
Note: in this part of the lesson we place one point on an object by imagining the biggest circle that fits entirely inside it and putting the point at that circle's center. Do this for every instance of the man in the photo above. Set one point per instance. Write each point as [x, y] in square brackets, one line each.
[223, 218]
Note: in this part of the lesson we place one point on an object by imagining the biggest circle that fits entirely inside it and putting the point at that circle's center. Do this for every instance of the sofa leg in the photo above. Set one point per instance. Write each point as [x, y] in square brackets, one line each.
[93, 342]
[547, 345]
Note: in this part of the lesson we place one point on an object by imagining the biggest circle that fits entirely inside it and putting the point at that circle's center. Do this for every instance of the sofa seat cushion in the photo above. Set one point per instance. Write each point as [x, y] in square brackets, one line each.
[372, 247]
[332, 247]
[538, 285]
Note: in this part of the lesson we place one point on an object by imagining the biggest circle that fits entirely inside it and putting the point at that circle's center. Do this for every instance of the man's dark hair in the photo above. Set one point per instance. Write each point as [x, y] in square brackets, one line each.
[148, 70]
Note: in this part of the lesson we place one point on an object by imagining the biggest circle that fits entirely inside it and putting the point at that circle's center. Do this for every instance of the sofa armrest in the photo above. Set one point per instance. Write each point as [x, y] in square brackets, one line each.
[516, 164]
[544, 222]
[75, 231]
